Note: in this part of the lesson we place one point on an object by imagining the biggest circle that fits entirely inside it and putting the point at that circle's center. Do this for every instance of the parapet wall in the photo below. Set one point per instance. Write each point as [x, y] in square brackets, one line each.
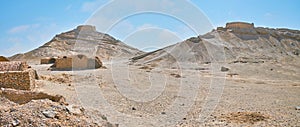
[13, 66]
[20, 80]
[239, 25]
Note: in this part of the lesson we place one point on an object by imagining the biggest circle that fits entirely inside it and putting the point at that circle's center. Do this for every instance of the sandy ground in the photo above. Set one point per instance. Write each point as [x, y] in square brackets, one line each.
[249, 94]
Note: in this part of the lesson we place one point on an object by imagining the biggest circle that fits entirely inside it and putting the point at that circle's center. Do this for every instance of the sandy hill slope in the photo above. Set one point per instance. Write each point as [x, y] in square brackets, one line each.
[233, 43]
[82, 40]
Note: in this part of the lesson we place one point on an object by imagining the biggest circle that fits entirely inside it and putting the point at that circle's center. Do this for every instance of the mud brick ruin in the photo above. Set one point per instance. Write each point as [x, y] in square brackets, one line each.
[48, 60]
[76, 62]
[17, 75]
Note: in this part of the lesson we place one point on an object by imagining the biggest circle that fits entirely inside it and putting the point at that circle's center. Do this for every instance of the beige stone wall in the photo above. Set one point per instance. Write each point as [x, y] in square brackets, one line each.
[63, 63]
[20, 80]
[80, 62]
[239, 25]
[77, 62]
[13, 66]
[48, 60]
[22, 97]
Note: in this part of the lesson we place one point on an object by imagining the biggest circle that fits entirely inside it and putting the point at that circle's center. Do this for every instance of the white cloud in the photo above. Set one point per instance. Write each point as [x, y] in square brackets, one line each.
[18, 29]
[268, 15]
[34, 36]
[145, 26]
[22, 28]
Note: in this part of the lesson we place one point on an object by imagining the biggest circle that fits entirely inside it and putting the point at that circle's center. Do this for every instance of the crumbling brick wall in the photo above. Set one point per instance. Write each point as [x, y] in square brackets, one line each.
[77, 62]
[48, 60]
[21, 80]
[13, 66]
[63, 63]
[22, 97]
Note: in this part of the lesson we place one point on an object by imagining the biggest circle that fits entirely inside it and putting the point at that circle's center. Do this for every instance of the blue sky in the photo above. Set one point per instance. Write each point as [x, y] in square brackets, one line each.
[26, 25]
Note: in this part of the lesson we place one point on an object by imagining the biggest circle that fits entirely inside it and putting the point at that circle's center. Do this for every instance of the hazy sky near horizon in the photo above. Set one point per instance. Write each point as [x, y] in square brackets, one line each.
[26, 25]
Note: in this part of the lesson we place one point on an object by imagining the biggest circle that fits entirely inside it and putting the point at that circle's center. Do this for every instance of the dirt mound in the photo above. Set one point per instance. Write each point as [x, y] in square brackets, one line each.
[245, 117]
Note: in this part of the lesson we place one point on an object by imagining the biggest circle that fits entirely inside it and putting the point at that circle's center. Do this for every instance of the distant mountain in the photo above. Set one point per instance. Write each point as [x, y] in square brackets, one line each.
[82, 40]
[237, 42]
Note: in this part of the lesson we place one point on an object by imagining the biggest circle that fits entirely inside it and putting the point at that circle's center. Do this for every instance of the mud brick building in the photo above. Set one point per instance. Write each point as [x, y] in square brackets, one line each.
[17, 75]
[76, 62]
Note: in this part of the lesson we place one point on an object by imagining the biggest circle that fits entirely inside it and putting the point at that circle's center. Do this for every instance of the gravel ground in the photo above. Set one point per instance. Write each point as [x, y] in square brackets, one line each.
[253, 94]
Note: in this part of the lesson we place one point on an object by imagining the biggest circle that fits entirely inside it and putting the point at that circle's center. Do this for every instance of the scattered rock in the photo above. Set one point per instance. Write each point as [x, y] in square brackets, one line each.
[232, 74]
[76, 110]
[176, 75]
[15, 122]
[49, 113]
[146, 68]
[224, 69]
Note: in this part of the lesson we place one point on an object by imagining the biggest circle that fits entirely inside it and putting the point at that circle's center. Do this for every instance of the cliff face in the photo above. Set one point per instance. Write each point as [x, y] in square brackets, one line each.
[237, 42]
[82, 40]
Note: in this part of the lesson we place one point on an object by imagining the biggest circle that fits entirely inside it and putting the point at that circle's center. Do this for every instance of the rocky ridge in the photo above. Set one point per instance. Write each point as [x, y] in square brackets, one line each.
[230, 44]
[82, 40]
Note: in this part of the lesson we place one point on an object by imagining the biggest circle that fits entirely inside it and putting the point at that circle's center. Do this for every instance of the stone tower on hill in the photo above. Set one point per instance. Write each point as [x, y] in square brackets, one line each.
[239, 25]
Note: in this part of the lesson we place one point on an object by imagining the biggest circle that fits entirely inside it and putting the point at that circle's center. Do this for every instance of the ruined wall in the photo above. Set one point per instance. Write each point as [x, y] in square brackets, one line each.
[80, 62]
[13, 66]
[3, 59]
[77, 62]
[22, 97]
[20, 80]
[239, 25]
[48, 60]
[63, 63]
[67, 63]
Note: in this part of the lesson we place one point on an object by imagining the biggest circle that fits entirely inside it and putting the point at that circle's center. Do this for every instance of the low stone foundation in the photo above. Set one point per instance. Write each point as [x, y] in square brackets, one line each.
[22, 97]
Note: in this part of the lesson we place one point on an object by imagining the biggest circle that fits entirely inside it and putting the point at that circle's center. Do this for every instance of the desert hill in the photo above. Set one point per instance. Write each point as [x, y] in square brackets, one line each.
[256, 82]
[82, 40]
[237, 42]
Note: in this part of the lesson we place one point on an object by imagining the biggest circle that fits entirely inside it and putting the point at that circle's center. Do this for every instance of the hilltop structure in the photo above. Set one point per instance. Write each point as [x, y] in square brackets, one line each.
[234, 25]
